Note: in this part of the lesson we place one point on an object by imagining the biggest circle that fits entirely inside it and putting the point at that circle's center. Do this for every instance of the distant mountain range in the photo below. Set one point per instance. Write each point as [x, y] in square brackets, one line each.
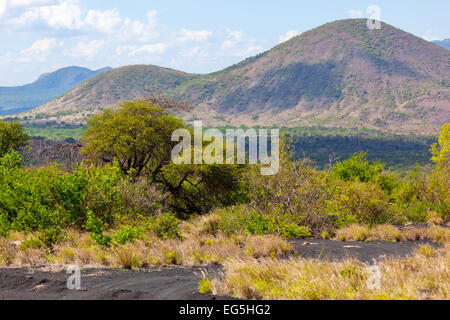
[338, 75]
[47, 87]
[443, 43]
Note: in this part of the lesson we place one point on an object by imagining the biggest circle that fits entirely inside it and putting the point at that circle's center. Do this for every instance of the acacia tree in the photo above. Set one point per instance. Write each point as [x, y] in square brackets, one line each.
[12, 137]
[138, 134]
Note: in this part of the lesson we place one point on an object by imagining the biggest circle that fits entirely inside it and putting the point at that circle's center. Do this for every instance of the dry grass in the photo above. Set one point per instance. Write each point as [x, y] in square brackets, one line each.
[424, 276]
[195, 248]
[391, 233]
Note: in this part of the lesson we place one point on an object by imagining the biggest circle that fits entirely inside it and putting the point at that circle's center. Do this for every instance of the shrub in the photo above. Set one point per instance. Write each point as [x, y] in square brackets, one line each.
[293, 231]
[296, 195]
[12, 137]
[166, 226]
[51, 236]
[127, 234]
[358, 202]
[257, 224]
[204, 286]
[32, 243]
[127, 258]
[96, 228]
[358, 168]
[234, 220]
[171, 257]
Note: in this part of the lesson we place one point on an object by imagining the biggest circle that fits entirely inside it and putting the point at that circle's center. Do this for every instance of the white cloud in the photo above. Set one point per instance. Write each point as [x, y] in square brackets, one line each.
[194, 36]
[150, 49]
[355, 13]
[38, 52]
[234, 37]
[125, 49]
[2, 7]
[290, 34]
[40, 47]
[429, 36]
[28, 3]
[138, 31]
[87, 49]
[94, 37]
[237, 46]
[103, 21]
[249, 50]
[195, 52]
[152, 17]
[64, 15]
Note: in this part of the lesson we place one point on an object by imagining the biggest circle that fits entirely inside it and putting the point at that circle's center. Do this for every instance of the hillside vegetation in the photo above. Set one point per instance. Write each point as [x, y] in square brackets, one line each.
[338, 75]
[128, 177]
[129, 206]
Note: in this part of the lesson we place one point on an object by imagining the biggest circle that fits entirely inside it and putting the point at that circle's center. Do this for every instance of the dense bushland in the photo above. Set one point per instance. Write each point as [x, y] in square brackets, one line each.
[128, 188]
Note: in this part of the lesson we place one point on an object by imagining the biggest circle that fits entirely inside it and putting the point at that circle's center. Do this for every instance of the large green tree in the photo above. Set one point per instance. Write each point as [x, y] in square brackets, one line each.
[12, 137]
[138, 134]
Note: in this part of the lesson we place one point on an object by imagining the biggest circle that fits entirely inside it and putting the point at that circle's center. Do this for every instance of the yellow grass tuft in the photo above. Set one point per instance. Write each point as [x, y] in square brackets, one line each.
[391, 233]
[424, 276]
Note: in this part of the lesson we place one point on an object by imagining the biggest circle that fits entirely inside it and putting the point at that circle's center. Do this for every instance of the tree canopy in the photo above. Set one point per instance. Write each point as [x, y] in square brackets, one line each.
[12, 137]
[138, 134]
[441, 152]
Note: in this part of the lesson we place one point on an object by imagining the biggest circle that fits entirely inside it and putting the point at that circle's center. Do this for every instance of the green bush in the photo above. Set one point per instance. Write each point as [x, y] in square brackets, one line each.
[359, 202]
[258, 224]
[96, 227]
[51, 236]
[127, 234]
[358, 168]
[233, 220]
[293, 231]
[166, 226]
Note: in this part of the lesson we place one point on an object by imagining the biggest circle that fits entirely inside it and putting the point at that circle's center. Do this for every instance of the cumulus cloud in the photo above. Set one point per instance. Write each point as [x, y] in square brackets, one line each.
[195, 52]
[290, 34]
[2, 8]
[236, 45]
[430, 36]
[195, 36]
[150, 49]
[124, 40]
[87, 49]
[64, 15]
[38, 52]
[103, 21]
[355, 13]
[40, 47]
[234, 38]
[29, 3]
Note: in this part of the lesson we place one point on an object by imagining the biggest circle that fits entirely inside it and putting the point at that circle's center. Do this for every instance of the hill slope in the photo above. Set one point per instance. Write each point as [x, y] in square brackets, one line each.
[47, 87]
[443, 43]
[106, 90]
[340, 75]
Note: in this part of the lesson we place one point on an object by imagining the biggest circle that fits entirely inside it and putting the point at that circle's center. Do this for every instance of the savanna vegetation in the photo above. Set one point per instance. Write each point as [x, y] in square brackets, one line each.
[127, 205]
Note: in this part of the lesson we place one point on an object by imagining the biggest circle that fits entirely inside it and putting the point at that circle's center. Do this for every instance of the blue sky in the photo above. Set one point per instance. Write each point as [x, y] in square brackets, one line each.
[196, 36]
